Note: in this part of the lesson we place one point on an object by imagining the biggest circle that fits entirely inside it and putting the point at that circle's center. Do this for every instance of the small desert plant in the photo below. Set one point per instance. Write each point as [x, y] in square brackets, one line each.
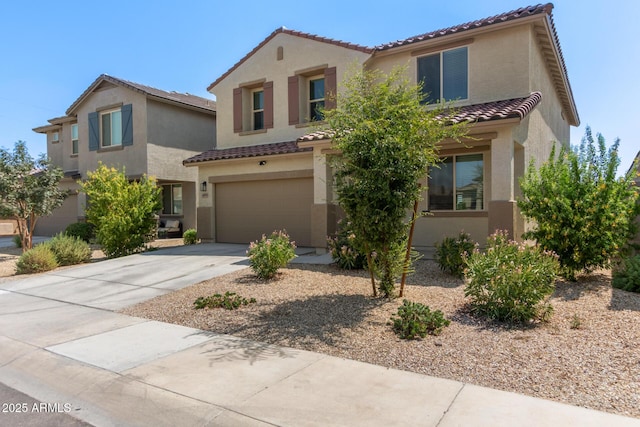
[511, 281]
[450, 253]
[417, 320]
[269, 254]
[81, 230]
[343, 250]
[69, 250]
[229, 301]
[190, 237]
[627, 278]
[40, 258]
[576, 322]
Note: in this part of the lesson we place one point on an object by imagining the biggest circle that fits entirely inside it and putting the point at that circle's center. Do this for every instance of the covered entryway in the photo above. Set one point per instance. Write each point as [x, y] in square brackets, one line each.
[244, 211]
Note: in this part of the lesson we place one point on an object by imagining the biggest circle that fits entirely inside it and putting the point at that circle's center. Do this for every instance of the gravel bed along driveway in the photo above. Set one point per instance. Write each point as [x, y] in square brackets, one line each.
[587, 355]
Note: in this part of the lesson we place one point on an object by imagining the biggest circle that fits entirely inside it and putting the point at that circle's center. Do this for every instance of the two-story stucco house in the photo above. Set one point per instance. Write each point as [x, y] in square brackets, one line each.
[269, 169]
[143, 129]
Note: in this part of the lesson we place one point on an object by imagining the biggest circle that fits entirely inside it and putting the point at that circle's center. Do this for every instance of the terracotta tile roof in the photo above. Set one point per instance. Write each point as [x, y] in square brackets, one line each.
[250, 151]
[516, 108]
[503, 17]
[185, 99]
[283, 30]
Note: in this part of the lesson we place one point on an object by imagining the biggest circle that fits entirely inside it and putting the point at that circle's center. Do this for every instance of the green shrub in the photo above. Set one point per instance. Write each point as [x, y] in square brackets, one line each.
[190, 237]
[69, 250]
[510, 281]
[81, 230]
[40, 258]
[17, 240]
[123, 211]
[269, 254]
[343, 250]
[628, 277]
[580, 210]
[450, 253]
[229, 301]
[417, 320]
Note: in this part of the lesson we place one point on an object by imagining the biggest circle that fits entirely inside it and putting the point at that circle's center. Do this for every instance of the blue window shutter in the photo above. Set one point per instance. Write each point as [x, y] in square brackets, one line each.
[429, 75]
[127, 125]
[455, 74]
[94, 132]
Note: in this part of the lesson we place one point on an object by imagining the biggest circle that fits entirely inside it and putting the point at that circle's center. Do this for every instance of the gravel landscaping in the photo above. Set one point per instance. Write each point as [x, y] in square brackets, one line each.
[587, 355]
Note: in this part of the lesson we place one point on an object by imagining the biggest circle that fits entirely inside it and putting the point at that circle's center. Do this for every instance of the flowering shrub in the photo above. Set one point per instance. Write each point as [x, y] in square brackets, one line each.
[510, 281]
[343, 250]
[269, 254]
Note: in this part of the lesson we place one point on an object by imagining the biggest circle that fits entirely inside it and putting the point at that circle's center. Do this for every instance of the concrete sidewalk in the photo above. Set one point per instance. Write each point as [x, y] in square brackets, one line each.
[62, 343]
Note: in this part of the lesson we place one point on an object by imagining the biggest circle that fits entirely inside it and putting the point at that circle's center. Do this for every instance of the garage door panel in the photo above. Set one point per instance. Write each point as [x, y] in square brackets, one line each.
[247, 210]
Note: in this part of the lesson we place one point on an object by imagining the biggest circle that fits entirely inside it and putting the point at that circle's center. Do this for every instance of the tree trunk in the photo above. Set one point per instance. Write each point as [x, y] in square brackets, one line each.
[407, 259]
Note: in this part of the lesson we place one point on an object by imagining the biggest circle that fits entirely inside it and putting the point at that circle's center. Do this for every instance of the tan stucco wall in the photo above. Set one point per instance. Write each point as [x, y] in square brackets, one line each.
[133, 157]
[498, 63]
[175, 134]
[298, 54]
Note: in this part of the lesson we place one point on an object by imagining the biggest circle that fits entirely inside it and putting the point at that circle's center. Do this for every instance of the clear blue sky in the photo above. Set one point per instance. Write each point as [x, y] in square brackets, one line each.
[52, 51]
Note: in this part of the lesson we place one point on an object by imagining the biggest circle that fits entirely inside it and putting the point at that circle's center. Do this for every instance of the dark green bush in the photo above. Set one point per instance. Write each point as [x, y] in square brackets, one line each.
[190, 237]
[628, 277]
[269, 254]
[17, 240]
[229, 301]
[417, 320]
[510, 281]
[69, 250]
[450, 253]
[40, 258]
[343, 250]
[81, 230]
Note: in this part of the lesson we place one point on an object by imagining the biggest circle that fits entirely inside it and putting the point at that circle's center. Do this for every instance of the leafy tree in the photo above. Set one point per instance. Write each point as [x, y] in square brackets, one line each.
[28, 189]
[387, 139]
[582, 212]
[122, 212]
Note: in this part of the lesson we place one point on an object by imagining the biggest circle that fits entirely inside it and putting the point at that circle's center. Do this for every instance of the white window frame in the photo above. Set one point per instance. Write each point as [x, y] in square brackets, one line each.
[118, 142]
[174, 211]
[255, 110]
[309, 100]
[74, 141]
[55, 137]
[455, 186]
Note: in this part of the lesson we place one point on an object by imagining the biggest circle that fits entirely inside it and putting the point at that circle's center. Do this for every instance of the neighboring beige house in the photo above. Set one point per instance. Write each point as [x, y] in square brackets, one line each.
[143, 129]
[269, 169]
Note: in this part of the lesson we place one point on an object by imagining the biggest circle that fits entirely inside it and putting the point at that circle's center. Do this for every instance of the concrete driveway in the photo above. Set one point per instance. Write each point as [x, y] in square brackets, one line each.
[117, 283]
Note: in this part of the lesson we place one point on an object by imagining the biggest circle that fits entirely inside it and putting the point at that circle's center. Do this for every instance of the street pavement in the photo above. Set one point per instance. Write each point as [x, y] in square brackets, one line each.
[63, 344]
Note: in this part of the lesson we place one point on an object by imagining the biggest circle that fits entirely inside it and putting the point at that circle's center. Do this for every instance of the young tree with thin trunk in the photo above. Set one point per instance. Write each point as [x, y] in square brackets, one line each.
[387, 138]
[28, 189]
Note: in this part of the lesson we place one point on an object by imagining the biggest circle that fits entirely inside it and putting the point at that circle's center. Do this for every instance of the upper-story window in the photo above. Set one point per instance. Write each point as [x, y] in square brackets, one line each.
[316, 99]
[253, 107]
[310, 92]
[258, 110]
[55, 137]
[74, 138]
[457, 184]
[111, 128]
[444, 75]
